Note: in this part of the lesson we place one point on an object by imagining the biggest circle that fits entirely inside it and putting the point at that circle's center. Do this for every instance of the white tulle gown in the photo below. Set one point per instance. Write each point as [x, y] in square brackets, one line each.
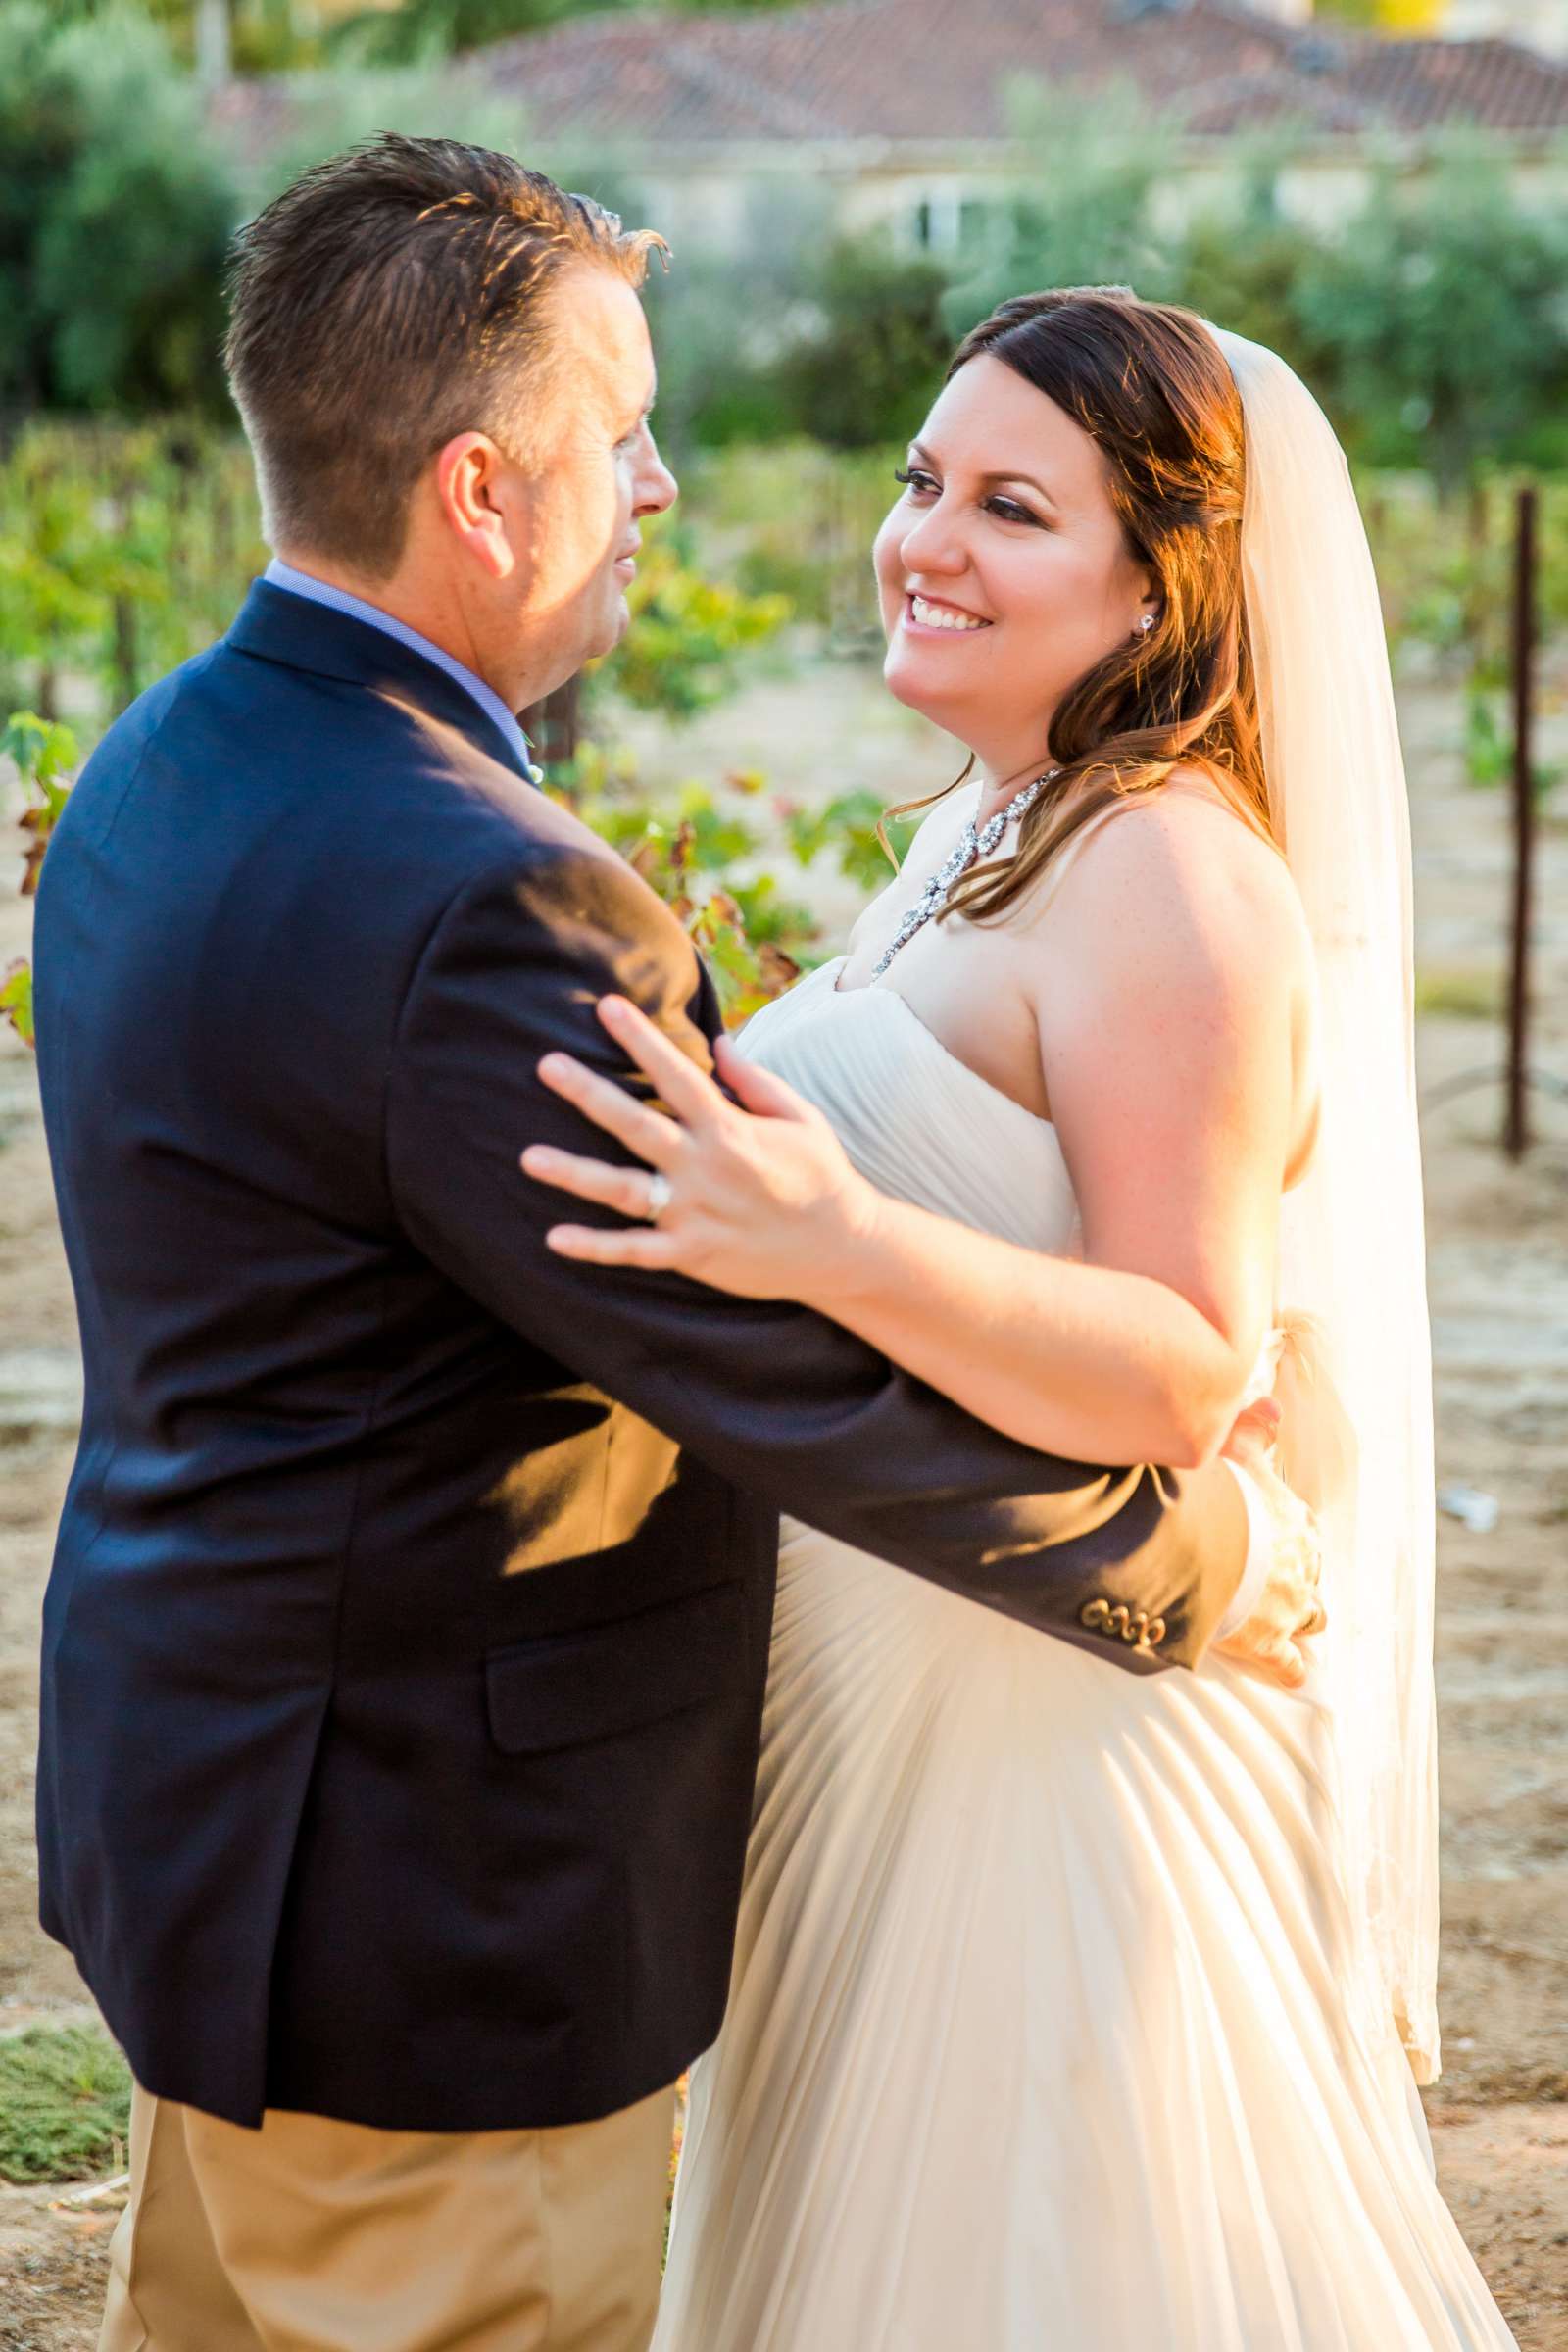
[1036, 2040]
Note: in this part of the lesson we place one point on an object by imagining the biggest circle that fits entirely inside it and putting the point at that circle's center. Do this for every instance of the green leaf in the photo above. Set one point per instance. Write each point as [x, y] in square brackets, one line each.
[16, 1000]
[44, 751]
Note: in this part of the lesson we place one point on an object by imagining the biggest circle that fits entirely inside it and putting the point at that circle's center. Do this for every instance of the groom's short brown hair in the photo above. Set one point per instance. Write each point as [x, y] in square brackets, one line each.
[390, 298]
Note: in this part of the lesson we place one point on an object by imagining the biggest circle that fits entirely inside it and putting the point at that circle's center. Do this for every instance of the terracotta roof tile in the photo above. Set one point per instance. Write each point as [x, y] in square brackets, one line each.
[926, 71]
[940, 70]
[1494, 84]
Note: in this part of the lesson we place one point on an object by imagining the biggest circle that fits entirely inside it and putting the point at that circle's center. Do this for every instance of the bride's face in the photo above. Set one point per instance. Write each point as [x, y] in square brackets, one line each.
[1003, 571]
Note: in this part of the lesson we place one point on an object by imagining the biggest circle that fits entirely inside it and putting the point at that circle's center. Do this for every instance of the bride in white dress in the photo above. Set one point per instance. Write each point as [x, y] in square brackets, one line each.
[1078, 2010]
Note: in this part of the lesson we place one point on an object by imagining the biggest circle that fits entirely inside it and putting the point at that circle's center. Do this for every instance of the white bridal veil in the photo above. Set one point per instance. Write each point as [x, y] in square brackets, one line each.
[1357, 1396]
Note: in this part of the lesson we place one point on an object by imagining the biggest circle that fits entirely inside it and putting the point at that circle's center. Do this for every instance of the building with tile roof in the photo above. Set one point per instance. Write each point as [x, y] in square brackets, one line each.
[937, 71]
[908, 111]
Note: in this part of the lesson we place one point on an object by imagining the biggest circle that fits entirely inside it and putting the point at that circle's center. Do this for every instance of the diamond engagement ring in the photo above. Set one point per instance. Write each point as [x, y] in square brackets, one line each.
[658, 1198]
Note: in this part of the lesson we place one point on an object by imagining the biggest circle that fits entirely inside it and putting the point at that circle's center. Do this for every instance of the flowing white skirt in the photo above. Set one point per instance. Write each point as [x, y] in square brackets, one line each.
[1038, 2039]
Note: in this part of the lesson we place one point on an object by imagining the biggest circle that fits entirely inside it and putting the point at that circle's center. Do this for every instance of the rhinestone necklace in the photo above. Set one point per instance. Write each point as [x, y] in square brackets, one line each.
[974, 843]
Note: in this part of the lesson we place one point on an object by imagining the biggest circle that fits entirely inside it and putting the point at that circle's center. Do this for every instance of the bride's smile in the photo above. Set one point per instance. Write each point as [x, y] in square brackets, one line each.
[932, 612]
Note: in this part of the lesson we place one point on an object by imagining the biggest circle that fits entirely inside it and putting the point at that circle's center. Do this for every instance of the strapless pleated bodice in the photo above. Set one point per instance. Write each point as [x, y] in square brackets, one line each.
[918, 1123]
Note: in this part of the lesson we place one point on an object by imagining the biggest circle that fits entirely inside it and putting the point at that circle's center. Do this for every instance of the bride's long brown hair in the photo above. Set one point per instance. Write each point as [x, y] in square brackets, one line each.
[1149, 385]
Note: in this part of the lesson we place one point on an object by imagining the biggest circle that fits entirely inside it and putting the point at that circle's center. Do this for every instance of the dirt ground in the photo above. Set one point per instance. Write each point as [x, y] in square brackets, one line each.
[1498, 1262]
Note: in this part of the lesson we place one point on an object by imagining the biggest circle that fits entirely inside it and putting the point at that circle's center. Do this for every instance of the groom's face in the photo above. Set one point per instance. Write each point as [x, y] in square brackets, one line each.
[593, 473]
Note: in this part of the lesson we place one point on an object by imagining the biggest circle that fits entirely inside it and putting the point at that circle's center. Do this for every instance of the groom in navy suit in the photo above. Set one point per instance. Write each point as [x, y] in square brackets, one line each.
[406, 1640]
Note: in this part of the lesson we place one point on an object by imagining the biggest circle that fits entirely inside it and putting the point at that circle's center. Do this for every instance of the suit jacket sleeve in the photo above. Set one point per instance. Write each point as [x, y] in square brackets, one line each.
[774, 1397]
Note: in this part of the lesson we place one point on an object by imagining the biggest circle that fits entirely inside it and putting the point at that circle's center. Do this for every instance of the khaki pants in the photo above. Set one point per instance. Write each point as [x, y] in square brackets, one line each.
[317, 2236]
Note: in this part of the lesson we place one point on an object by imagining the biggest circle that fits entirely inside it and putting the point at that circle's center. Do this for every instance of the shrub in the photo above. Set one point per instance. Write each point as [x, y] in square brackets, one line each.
[1080, 215]
[1440, 319]
[115, 216]
[65, 2105]
[688, 632]
[862, 373]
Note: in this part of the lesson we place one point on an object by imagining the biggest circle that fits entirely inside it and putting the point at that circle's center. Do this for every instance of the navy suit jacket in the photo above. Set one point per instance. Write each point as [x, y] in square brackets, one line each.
[405, 1639]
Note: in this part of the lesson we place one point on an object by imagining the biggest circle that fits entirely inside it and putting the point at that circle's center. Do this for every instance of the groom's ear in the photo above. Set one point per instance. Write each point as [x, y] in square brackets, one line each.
[479, 494]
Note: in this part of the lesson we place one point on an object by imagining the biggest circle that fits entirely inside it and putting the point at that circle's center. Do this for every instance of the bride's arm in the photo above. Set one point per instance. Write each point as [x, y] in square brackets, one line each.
[1166, 1011]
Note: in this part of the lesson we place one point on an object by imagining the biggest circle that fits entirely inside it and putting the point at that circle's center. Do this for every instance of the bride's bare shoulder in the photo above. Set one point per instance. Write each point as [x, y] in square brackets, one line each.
[1181, 867]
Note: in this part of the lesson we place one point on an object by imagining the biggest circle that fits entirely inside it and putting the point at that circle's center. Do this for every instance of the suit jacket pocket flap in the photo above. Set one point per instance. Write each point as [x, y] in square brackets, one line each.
[561, 1689]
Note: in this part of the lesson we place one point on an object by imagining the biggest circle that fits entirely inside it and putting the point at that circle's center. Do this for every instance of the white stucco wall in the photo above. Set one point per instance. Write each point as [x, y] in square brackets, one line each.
[729, 204]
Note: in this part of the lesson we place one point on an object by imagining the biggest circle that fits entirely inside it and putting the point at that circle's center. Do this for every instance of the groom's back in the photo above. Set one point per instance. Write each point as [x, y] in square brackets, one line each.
[228, 920]
[311, 1465]
[212, 1003]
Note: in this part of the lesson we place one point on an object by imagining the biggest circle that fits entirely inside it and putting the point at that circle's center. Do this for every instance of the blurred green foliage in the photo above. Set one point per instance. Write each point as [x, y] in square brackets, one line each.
[865, 372]
[115, 214]
[65, 2105]
[123, 551]
[1080, 210]
[694, 854]
[1458, 995]
[424, 28]
[687, 632]
[44, 756]
[709, 851]
[276, 36]
[851, 827]
[1441, 318]
[1488, 747]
